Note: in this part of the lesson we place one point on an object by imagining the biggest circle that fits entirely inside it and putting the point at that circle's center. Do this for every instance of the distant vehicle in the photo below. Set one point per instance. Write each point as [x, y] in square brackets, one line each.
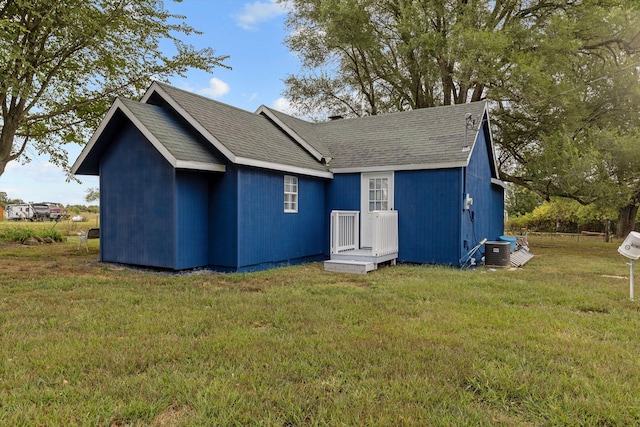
[57, 212]
[40, 212]
[19, 212]
[45, 211]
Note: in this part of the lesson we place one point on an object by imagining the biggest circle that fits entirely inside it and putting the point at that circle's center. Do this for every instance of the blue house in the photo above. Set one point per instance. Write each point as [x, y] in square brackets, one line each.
[188, 182]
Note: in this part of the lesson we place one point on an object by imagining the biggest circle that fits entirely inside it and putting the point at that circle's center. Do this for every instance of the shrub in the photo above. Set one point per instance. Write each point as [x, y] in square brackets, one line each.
[20, 234]
[563, 215]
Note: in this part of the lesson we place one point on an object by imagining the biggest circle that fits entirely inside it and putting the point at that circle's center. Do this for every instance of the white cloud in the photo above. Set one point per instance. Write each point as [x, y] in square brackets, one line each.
[217, 88]
[40, 180]
[259, 11]
[284, 106]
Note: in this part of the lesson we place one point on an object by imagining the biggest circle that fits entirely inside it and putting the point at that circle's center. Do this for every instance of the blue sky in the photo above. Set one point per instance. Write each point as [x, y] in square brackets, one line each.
[250, 32]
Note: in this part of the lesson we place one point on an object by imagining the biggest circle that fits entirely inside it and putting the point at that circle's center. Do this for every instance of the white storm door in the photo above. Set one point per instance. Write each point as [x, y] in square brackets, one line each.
[376, 195]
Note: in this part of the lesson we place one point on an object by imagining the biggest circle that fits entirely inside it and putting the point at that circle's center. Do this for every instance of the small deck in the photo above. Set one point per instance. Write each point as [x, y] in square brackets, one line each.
[346, 254]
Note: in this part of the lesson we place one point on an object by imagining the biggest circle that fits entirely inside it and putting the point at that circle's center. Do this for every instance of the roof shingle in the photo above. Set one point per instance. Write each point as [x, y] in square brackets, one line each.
[246, 135]
[174, 135]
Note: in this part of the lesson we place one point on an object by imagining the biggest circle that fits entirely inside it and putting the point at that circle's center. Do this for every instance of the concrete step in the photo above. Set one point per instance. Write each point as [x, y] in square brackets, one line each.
[349, 266]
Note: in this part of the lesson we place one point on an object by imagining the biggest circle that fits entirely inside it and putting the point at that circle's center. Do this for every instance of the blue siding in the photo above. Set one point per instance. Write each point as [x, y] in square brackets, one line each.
[223, 217]
[429, 210]
[343, 194]
[485, 219]
[268, 236]
[192, 214]
[155, 216]
[137, 190]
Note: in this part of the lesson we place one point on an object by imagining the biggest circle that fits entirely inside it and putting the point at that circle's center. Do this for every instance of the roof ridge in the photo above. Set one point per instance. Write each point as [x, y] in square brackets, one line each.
[394, 113]
[164, 86]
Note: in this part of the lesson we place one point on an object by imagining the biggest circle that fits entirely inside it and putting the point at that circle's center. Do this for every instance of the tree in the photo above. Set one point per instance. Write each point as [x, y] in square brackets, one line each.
[5, 200]
[63, 62]
[574, 133]
[560, 75]
[92, 194]
[374, 56]
[520, 200]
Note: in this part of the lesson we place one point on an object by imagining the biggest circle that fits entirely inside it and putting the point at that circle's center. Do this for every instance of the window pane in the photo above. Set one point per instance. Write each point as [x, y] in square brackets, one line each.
[290, 193]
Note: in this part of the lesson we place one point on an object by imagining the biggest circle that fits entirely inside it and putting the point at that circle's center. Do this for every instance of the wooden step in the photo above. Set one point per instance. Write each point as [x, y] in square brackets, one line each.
[349, 266]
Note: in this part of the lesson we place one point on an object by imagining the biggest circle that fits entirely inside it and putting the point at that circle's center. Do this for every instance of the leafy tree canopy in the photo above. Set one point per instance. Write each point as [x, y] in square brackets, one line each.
[92, 194]
[560, 75]
[63, 62]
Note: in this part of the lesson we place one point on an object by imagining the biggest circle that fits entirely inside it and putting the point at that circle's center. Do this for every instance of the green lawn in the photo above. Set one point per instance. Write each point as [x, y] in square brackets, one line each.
[555, 343]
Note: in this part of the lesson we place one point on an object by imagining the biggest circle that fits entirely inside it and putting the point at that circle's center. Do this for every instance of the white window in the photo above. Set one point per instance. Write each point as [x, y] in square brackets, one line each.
[378, 194]
[290, 193]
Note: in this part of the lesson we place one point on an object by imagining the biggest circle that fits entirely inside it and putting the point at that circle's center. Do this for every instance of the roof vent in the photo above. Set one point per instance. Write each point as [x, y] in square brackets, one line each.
[336, 117]
[469, 125]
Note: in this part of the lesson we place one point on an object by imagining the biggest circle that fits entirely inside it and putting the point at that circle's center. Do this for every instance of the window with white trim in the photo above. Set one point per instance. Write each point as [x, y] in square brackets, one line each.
[290, 194]
[378, 194]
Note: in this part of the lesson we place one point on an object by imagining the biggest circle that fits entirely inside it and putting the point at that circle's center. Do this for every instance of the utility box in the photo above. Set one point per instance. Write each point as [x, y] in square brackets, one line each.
[497, 254]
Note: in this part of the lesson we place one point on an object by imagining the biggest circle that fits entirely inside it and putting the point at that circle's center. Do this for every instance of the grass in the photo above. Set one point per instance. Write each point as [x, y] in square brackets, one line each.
[554, 343]
[19, 231]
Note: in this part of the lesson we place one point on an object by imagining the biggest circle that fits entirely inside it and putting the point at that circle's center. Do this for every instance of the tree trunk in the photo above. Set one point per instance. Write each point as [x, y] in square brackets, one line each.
[626, 219]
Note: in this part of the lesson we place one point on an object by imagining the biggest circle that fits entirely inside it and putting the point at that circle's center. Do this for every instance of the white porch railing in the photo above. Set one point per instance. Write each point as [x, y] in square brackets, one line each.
[345, 231]
[384, 233]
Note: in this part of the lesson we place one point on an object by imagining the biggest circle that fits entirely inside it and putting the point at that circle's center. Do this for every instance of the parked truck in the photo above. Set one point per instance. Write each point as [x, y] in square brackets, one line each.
[57, 212]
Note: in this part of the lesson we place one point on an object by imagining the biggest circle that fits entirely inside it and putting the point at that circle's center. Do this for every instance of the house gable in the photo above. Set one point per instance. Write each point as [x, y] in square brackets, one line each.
[137, 216]
[244, 138]
[177, 145]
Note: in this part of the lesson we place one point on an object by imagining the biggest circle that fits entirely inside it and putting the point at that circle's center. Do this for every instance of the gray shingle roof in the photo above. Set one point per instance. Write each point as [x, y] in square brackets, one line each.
[305, 130]
[424, 138]
[246, 135]
[183, 144]
[427, 136]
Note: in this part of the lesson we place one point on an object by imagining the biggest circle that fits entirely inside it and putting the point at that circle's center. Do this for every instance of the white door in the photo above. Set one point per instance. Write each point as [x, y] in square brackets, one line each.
[376, 195]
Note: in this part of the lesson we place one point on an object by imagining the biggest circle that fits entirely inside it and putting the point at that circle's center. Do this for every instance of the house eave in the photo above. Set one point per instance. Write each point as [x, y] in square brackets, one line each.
[499, 182]
[200, 166]
[282, 167]
[118, 105]
[409, 167]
